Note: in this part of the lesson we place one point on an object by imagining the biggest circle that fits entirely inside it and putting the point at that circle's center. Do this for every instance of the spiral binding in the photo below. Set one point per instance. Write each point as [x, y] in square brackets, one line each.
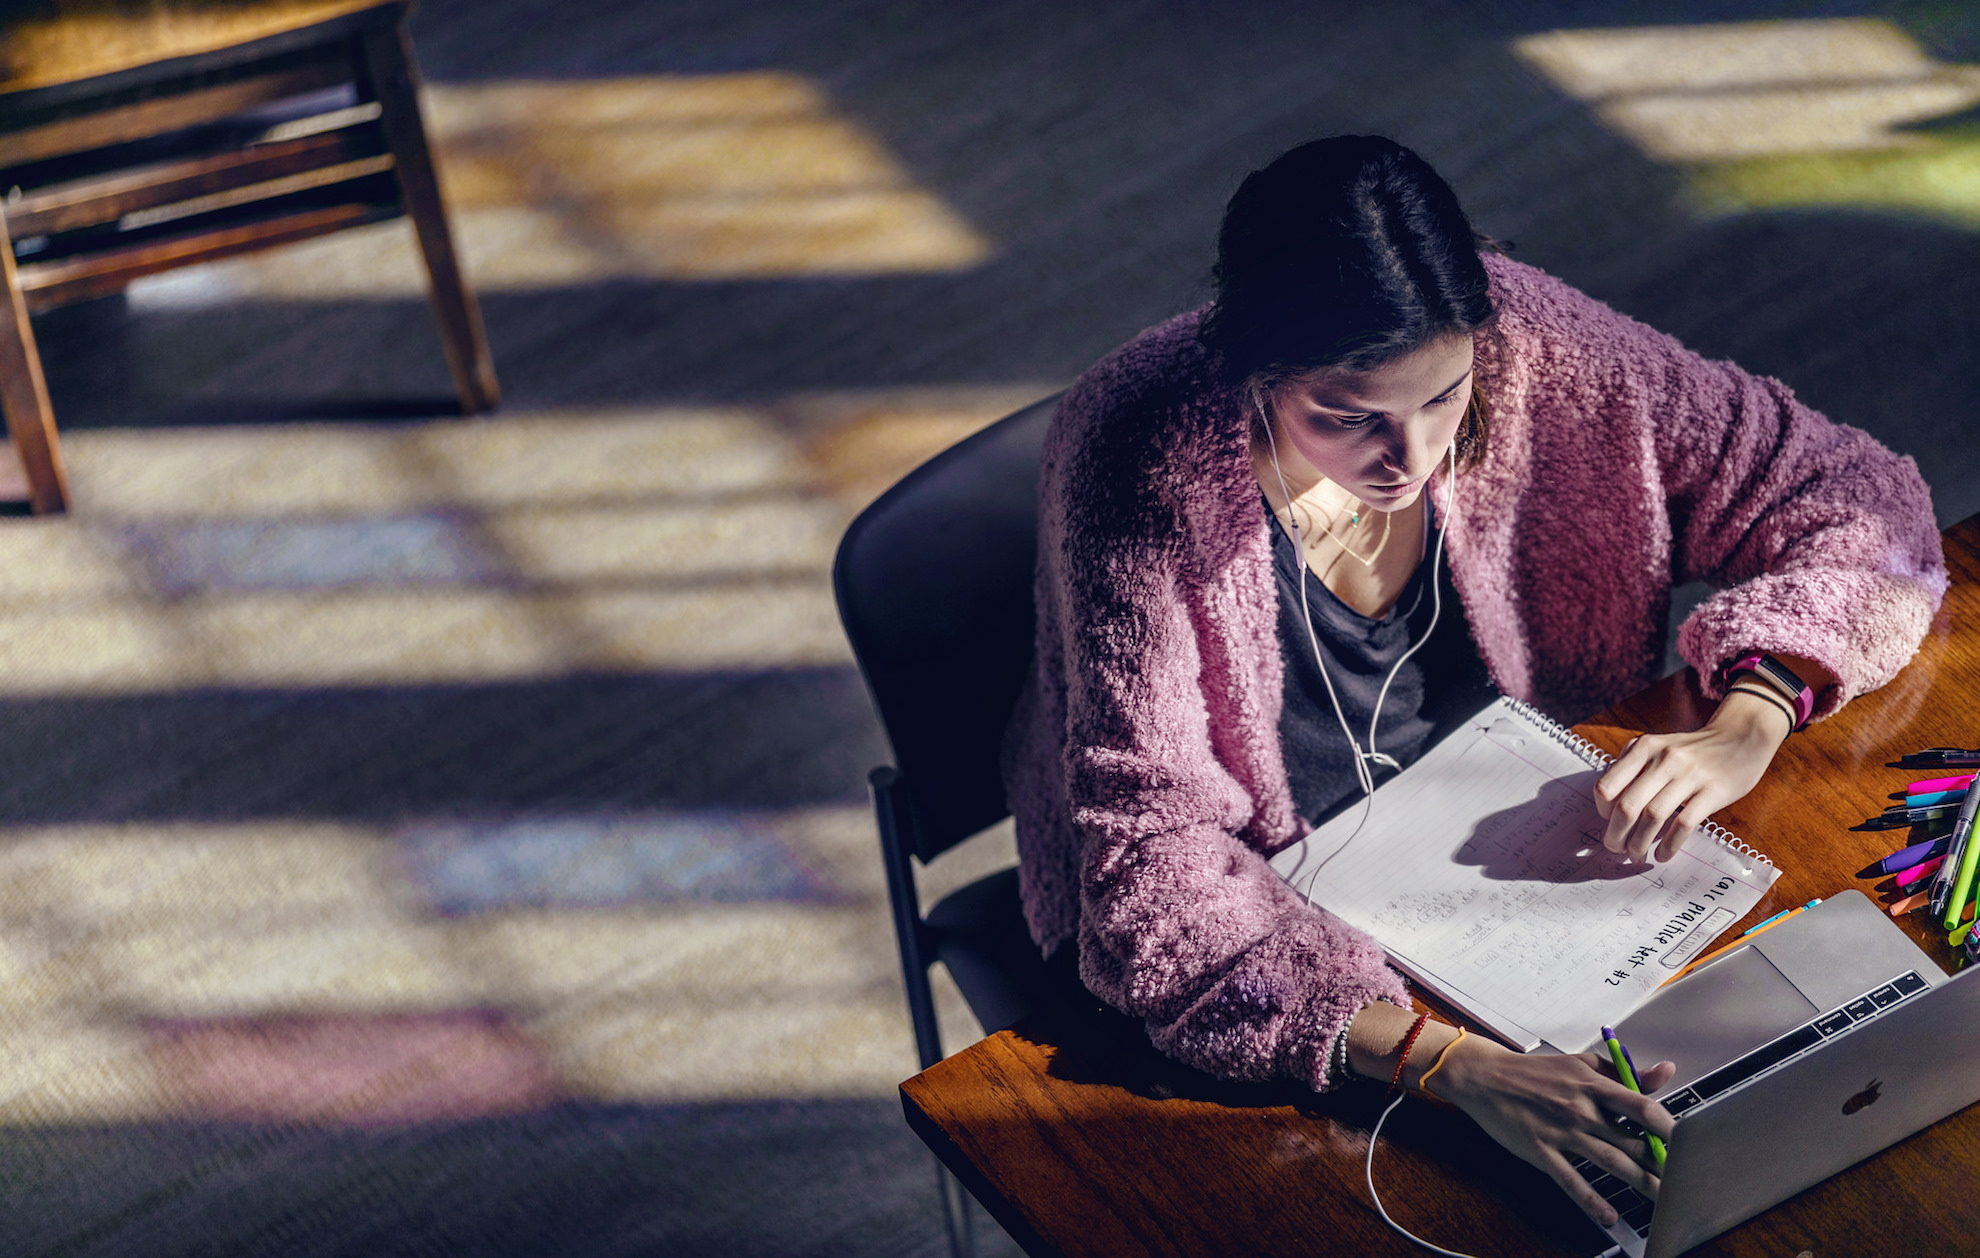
[1560, 733]
[1600, 759]
[1736, 843]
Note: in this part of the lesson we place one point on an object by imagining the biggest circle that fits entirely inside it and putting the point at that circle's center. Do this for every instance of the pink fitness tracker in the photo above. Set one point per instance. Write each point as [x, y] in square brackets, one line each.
[1781, 678]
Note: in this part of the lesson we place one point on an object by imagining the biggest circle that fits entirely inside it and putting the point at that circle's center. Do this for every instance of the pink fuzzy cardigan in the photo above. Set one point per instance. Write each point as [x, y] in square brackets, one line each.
[1144, 763]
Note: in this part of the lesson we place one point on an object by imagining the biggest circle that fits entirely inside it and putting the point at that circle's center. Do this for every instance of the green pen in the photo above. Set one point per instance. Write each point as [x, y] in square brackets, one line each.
[1618, 1056]
[1963, 881]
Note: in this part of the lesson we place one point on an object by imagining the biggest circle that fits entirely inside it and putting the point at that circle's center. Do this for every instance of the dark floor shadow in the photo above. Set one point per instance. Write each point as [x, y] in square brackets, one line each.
[773, 739]
[1855, 310]
[579, 1180]
[235, 412]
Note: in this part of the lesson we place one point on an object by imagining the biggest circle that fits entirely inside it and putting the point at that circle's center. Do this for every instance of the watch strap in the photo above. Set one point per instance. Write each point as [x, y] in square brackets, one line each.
[1782, 678]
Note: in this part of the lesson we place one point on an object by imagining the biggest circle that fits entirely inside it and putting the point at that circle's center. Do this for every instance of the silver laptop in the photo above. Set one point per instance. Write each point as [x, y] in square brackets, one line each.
[1826, 1039]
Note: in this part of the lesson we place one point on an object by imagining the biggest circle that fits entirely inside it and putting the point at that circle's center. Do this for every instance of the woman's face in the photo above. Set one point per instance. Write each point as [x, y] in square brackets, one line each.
[1378, 434]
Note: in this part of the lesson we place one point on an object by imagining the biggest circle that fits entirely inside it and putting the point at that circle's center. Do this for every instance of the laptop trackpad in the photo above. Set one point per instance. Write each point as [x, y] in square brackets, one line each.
[1734, 1004]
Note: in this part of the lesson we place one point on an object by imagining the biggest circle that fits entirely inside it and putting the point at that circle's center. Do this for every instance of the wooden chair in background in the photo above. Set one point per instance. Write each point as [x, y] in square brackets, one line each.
[141, 135]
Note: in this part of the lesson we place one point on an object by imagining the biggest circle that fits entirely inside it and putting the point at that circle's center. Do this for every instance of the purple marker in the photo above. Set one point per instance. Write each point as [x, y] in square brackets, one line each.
[1916, 854]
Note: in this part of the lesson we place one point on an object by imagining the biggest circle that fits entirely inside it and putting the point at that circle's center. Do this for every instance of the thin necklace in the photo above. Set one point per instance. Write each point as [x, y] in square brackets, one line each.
[1354, 517]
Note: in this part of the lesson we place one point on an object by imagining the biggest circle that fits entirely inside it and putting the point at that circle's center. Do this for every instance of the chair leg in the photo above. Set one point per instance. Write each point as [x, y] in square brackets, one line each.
[893, 817]
[388, 61]
[955, 1214]
[24, 396]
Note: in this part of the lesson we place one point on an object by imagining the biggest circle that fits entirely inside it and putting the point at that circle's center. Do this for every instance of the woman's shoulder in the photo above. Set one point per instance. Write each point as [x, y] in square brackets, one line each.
[1150, 406]
[1162, 366]
[1545, 319]
[1150, 438]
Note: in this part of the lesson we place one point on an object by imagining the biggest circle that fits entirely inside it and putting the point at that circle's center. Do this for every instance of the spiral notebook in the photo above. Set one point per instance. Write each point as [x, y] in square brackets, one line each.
[1480, 868]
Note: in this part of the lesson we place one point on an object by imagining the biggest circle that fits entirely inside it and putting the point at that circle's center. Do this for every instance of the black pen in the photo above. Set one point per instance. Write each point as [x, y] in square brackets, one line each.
[1930, 812]
[1897, 821]
[1941, 758]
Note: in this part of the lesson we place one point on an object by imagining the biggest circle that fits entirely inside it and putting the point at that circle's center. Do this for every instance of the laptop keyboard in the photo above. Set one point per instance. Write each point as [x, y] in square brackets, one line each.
[1635, 1208]
[1632, 1206]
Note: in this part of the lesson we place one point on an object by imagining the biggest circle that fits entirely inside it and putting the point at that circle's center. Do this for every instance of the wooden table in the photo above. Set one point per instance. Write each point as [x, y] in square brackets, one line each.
[1080, 1139]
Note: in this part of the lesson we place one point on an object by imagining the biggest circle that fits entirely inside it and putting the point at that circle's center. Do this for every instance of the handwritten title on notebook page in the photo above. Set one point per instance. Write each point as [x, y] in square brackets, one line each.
[1481, 869]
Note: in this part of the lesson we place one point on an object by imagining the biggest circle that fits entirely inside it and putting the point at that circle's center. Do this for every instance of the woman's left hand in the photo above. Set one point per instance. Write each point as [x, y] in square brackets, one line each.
[1664, 785]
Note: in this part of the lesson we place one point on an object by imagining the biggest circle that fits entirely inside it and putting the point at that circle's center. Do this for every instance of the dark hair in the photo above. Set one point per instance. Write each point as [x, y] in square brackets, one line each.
[1345, 252]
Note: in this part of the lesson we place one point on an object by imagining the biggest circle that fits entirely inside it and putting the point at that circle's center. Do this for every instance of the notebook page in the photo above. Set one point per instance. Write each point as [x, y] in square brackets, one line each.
[1481, 869]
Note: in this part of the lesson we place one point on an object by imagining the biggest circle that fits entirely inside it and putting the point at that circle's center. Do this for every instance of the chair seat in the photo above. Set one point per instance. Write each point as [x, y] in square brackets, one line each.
[980, 934]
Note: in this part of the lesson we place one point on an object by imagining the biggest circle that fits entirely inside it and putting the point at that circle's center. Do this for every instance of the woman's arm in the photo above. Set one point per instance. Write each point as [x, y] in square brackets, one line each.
[1829, 558]
[1820, 541]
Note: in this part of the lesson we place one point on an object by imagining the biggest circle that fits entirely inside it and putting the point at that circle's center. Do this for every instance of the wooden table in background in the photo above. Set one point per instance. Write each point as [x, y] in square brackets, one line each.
[1081, 1140]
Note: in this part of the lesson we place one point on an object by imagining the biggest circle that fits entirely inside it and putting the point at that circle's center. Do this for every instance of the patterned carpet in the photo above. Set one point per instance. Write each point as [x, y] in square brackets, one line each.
[430, 836]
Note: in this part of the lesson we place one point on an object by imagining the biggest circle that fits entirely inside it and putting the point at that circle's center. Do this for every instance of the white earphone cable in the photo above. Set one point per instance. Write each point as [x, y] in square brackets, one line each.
[1436, 606]
[1362, 759]
[1361, 772]
[1364, 776]
[1368, 1169]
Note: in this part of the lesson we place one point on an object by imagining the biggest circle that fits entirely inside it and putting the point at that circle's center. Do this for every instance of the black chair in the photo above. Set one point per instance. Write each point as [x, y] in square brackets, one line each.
[934, 589]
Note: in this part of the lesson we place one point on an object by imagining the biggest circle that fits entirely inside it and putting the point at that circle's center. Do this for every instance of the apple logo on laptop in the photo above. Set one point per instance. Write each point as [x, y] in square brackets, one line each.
[1863, 1099]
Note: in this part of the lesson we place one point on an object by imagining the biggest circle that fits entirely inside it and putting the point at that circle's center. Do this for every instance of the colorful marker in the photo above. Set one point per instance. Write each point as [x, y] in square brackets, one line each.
[1924, 869]
[1969, 862]
[1954, 782]
[1941, 758]
[1899, 818]
[1931, 798]
[1911, 903]
[1905, 858]
[1754, 930]
[1744, 936]
[1958, 936]
[1930, 812]
[1620, 1056]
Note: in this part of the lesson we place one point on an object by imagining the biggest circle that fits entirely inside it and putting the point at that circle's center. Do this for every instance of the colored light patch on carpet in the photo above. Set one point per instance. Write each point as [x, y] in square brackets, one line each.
[359, 1069]
[594, 863]
[200, 556]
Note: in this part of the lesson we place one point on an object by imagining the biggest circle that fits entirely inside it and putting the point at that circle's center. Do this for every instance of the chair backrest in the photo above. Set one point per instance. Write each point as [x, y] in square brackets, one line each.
[934, 589]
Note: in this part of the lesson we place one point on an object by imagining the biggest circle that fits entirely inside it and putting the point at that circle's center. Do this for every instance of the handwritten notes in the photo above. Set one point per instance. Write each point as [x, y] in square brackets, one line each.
[1481, 869]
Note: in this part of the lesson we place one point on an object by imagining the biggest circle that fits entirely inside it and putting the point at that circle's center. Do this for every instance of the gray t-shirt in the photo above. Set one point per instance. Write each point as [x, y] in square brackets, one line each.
[1439, 686]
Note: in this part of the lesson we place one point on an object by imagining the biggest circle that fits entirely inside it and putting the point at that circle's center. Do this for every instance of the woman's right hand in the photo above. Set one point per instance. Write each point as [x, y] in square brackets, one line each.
[1550, 1109]
[1545, 1109]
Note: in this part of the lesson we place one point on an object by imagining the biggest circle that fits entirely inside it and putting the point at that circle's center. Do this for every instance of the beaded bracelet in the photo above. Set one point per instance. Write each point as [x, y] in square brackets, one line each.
[1409, 1042]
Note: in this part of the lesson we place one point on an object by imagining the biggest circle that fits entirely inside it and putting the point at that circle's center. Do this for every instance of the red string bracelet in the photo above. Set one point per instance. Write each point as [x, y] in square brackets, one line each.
[1409, 1042]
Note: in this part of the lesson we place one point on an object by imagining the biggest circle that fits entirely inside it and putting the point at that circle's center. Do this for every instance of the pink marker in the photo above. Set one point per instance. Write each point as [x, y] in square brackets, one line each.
[1923, 869]
[1952, 783]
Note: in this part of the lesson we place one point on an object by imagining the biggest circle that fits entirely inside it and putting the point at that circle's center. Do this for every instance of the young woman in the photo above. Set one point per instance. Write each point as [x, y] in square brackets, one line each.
[1432, 423]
